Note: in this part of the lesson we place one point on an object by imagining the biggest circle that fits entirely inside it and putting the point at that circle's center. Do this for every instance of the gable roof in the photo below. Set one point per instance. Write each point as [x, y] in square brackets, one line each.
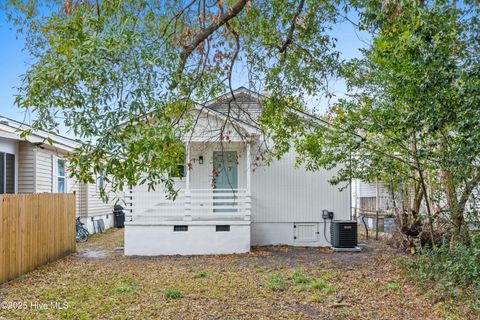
[12, 129]
[258, 97]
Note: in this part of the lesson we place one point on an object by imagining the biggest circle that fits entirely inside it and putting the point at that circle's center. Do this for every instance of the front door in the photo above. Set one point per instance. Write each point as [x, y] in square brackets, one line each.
[225, 180]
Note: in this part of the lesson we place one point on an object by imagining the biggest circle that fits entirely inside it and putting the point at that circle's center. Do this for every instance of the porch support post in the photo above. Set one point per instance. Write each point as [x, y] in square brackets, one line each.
[248, 195]
[249, 169]
[188, 197]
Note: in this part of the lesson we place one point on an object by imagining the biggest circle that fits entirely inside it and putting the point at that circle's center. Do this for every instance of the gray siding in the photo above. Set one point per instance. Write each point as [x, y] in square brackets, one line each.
[95, 205]
[26, 168]
[43, 170]
[244, 107]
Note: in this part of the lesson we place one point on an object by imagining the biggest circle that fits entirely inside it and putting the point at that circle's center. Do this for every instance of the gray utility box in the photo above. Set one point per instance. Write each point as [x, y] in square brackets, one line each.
[343, 234]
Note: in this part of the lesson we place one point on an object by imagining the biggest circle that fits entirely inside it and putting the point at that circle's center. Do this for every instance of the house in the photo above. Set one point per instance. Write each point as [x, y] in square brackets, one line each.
[368, 198]
[228, 200]
[33, 165]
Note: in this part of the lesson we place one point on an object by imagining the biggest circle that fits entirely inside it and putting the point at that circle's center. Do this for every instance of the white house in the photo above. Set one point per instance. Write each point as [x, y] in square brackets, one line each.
[228, 200]
[32, 165]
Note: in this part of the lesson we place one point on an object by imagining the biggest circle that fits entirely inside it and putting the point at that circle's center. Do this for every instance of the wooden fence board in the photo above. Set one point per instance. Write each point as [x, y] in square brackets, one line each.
[34, 229]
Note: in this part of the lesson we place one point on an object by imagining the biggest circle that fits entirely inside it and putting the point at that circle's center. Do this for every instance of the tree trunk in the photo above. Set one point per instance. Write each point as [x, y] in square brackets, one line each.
[457, 209]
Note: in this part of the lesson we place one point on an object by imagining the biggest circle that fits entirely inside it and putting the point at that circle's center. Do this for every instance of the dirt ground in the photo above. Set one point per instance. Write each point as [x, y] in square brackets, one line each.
[268, 283]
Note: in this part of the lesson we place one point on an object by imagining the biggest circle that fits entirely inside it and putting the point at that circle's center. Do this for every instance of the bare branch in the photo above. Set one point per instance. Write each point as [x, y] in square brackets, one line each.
[188, 49]
[289, 39]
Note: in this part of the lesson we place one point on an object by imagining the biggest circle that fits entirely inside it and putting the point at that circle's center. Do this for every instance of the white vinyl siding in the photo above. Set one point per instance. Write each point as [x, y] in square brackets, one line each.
[280, 192]
[283, 193]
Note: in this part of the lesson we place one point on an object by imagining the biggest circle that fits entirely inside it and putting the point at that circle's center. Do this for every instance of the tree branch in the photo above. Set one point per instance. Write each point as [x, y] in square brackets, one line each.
[289, 39]
[188, 49]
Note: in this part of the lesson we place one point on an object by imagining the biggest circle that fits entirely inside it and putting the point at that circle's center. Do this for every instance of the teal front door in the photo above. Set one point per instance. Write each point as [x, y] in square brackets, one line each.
[225, 169]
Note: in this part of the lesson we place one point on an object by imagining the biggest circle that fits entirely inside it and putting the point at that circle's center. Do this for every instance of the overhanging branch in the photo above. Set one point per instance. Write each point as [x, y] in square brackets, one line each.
[204, 34]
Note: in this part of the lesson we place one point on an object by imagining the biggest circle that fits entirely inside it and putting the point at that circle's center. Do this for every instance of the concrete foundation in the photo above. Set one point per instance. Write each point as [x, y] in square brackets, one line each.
[201, 237]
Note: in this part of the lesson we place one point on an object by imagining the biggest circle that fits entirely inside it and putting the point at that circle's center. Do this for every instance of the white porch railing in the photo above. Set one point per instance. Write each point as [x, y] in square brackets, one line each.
[190, 205]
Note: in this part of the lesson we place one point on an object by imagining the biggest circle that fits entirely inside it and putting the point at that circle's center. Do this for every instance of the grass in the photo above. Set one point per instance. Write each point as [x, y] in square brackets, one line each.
[271, 284]
[393, 286]
[124, 288]
[201, 274]
[275, 282]
[322, 285]
[172, 294]
[299, 278]
[301, 288]
[319, 284]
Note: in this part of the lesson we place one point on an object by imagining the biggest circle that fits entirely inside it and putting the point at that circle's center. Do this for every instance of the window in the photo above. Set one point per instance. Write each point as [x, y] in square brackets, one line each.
[101, 181]
[222, 228]
[7, 173]
[178, 172]
[180, 228]
[61, 180]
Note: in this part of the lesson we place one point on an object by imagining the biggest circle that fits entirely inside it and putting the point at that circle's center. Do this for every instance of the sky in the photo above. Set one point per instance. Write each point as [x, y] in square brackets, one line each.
[14, 63]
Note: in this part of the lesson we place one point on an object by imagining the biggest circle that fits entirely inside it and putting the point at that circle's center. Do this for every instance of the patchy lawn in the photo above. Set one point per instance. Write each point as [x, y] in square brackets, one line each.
[270, 283]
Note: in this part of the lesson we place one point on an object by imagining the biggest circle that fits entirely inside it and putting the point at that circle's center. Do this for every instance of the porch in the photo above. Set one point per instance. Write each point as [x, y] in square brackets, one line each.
[215, 187]
[211, 213]
[190, 205]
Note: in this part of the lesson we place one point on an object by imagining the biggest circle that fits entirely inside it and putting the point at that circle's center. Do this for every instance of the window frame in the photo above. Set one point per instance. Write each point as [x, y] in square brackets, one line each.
[101, 181]
[64, 176]
[182, 172]
[4, 187]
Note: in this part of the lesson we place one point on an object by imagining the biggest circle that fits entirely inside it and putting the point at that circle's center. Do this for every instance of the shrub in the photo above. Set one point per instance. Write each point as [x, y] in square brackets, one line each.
[172, 294]
[448, 267]
[275, 282]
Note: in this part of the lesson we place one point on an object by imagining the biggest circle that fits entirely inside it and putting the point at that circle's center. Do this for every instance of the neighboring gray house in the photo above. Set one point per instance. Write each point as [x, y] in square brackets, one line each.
[228, 200]
[31, 165]
[368, 197]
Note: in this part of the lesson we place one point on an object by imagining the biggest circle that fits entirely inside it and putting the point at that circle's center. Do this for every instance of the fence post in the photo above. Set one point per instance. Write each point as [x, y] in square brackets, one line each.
[376, 225]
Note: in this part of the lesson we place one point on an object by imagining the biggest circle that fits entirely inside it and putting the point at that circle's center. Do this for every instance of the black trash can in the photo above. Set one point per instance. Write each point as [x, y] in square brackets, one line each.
[119, 216]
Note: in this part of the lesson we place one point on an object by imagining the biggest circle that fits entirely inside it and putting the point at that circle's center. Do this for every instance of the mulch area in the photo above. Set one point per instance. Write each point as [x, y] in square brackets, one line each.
[98, 283]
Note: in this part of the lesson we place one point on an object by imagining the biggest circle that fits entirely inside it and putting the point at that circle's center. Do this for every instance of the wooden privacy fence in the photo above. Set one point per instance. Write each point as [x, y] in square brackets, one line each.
[34, 229]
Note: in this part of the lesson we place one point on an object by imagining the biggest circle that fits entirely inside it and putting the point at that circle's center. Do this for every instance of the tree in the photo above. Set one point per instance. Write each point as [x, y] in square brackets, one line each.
[124, 74]
[414, 100]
